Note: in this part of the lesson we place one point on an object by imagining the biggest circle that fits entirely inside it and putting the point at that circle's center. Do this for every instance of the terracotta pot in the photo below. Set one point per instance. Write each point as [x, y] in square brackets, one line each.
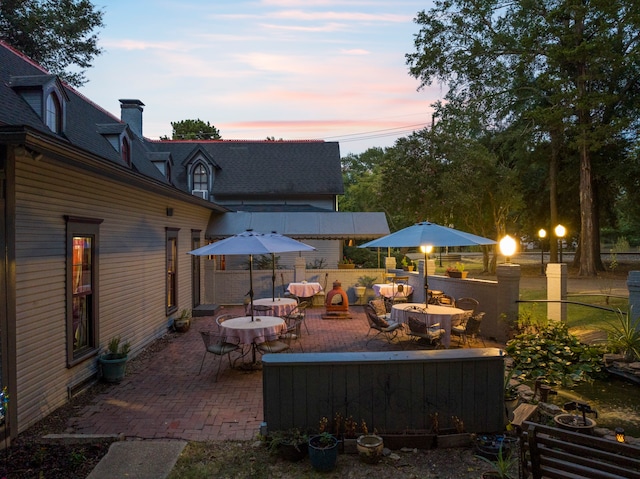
[370, 448]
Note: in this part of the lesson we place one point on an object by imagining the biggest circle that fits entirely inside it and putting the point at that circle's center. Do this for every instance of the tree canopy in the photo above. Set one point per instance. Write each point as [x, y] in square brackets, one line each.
[57, 34]
[564, 72]
[193, 130]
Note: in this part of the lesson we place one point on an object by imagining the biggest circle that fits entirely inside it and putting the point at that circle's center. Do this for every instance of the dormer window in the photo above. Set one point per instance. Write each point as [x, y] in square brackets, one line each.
[200, 178]
[125, 150]
[53, 113]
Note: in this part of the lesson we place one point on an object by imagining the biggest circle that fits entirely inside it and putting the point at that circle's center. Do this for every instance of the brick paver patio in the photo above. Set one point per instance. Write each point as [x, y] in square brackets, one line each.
[166, 398]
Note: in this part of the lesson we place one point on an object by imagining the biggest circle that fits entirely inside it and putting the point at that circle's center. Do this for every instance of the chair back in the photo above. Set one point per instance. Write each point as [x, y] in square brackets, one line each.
[446, 300]
[468, 304]
[224, 317]
[372, 317]
[473, 324]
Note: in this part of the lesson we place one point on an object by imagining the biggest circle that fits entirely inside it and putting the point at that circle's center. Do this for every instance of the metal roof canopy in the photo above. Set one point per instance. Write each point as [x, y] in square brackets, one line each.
[309, 225]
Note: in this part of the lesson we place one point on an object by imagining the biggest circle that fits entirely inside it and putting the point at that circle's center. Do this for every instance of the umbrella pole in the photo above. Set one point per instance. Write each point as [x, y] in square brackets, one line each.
[273, 277]
[426, 282]
[251, 284]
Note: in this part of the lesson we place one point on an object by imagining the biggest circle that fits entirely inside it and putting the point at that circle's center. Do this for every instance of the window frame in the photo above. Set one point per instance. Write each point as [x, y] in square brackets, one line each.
[125, 150]
[53, 112]
[204, 174]
[83, 227]
[171, 270]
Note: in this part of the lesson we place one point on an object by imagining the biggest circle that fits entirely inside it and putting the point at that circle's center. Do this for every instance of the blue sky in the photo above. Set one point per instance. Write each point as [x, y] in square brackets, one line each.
[291, 69]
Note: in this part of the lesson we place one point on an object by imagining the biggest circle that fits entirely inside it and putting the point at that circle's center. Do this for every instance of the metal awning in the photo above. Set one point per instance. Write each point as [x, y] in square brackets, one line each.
[301, 225]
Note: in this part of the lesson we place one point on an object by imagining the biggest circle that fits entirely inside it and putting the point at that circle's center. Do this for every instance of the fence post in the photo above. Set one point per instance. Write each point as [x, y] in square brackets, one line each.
[508, 294]
[633, 285]
[557, 290]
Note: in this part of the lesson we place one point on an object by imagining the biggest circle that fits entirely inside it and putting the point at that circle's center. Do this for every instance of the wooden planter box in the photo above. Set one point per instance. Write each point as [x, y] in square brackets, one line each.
[453, 439]
[457, 274]
[346, 266]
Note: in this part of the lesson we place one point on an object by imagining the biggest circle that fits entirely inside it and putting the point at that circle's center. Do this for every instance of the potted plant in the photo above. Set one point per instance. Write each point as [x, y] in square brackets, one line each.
[456, 271]
[502, 467]
[181, 323]
[323, 449]
[370, 446]
[346, 263]
[364, 283]
[113, 362]
[405, 264]
[291, 444]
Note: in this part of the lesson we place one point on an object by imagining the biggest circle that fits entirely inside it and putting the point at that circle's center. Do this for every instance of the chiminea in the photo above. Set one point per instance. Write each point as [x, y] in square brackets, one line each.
[336, 302]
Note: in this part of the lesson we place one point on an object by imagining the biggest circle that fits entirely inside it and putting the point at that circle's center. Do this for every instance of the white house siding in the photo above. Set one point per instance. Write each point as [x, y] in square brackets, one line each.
[131, 266]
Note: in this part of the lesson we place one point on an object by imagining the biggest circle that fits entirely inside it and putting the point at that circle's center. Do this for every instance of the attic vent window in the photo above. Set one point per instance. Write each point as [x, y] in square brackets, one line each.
[126, 151]
[53, 113]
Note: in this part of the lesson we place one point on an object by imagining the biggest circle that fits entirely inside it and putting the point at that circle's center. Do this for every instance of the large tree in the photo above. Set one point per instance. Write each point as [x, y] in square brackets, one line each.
[58, 34]
[193, 130]
[570, 66]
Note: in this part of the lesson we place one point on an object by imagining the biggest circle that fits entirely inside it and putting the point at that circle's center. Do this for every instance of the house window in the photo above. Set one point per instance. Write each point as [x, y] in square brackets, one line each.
[172, 271]
[82, 288]
[126, 152]
[53, 113]
[200, 178]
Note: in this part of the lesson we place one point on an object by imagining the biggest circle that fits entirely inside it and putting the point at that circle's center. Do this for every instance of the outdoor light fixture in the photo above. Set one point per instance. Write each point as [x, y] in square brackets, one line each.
[542, 234]
[619, 434]
[426, 249]
[560, 232]
[508, 247]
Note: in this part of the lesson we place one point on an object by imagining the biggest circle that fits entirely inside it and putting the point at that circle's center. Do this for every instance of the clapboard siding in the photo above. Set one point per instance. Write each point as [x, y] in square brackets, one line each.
[391, 392]
[131, 298]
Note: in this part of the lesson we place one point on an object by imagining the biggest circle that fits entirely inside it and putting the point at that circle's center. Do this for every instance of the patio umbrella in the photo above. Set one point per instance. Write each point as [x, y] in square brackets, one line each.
[250, 243]
[427, 234]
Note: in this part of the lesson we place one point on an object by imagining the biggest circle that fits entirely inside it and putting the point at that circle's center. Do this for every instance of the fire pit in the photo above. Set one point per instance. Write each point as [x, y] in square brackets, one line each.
[336, 303]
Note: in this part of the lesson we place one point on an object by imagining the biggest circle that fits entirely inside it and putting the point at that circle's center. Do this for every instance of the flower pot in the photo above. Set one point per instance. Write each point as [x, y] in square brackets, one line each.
[370, 448]
[575, 423]
[346, 266]
[293, 452]
[182, 325]
[457, 274]
[113, 368]
[323, 458]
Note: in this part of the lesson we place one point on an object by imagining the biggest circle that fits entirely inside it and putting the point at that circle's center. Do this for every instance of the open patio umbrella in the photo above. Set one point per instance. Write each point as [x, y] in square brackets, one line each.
[425, 234]
[249, 243]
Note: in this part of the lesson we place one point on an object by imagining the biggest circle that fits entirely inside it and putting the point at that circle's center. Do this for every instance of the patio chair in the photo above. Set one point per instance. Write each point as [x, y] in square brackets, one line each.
[470, 305]
[293, 332]
[298, 313]
[446, 300]
[469, 329]
[223, 317]
[400, 294]
[422, 333]
[219, 345]
[386, 330]
[273, 344]
[382, 307]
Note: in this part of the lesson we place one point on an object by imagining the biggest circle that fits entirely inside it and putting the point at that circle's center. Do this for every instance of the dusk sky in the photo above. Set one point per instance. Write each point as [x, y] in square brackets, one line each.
[290, 69]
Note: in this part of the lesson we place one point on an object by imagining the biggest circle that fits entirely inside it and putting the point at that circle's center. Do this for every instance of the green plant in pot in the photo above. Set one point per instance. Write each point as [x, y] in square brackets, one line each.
[323, 449]
[505, 466]
[623, 336]
[113, 362]
[182, 323]
[290, 444]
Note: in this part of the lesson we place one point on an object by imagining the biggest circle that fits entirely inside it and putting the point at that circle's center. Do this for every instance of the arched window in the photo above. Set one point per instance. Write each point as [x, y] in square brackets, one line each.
[53, 113]
[126, 151]
[200, 178]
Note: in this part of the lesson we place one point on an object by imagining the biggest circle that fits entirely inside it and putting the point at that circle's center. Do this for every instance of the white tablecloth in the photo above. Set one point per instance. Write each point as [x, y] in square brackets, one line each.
[389, 290]
[280, 306]
[435, 314]
[304, 290]
[254, 331]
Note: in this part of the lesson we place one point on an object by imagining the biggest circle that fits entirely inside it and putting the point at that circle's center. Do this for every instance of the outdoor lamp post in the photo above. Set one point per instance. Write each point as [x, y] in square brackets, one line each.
[542, 234]
[560, 232]
[426, 249]
[508, 247]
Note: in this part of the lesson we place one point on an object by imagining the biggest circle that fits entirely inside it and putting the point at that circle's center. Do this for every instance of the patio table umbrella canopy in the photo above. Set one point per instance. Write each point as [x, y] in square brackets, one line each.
[427, 234]
[249, 243]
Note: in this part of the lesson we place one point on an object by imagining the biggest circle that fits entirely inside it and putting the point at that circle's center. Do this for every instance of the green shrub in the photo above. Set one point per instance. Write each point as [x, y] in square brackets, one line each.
[552, 352]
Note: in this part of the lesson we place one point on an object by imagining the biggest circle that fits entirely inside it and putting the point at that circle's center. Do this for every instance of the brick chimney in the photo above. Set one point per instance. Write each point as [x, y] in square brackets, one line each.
[131, 114]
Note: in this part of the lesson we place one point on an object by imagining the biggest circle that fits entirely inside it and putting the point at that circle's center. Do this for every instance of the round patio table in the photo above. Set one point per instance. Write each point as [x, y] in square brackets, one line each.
[254, 332]
[435, 314]
[279, 306]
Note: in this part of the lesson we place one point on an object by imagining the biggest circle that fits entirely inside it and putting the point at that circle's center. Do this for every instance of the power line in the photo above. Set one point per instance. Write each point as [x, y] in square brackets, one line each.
[407, 129]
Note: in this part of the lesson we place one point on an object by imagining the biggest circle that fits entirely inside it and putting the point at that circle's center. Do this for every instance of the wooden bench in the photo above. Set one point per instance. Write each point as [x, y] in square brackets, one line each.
[549, 452]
